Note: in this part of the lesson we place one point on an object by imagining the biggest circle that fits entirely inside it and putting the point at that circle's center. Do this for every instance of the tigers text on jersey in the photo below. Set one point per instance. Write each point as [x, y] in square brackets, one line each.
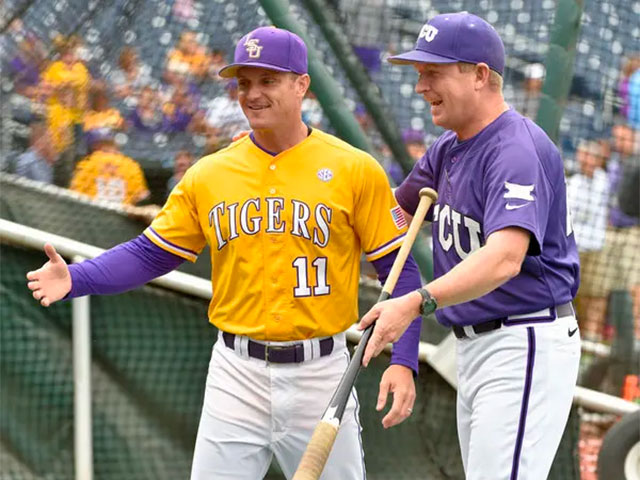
[509, 174]
[286, 233]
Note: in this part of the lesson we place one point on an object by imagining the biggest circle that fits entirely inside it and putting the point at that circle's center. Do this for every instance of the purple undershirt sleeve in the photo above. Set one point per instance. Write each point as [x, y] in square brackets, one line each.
[122, 268]
[405, 350]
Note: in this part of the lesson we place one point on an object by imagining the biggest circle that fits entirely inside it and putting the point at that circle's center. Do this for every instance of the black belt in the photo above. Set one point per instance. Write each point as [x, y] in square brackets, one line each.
[564, 310]
[293, 353]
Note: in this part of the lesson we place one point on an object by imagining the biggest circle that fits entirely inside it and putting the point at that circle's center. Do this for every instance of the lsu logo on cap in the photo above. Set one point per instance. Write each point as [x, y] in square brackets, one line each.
[252, 47]
[428, 32]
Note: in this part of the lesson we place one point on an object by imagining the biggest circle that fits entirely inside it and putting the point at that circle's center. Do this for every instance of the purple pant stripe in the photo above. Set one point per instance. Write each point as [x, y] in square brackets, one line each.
[531, 356]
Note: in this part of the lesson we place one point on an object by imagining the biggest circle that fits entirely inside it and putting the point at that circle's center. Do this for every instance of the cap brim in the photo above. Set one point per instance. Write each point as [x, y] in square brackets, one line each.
[231, 70]
[419, 56]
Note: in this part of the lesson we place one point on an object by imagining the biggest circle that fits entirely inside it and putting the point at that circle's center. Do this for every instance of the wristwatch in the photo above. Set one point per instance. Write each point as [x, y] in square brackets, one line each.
[428, 304]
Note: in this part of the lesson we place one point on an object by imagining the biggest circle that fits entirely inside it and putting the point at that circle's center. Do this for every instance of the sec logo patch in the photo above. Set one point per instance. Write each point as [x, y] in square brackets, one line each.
[325, 174]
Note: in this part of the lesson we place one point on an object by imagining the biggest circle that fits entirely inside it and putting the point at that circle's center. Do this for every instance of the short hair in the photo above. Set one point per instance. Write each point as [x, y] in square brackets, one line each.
[495, 79]
[591, 146]
[184, 153]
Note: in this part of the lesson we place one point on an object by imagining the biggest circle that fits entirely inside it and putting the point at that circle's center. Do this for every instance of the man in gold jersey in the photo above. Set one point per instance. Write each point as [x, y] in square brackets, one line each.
[287, 211]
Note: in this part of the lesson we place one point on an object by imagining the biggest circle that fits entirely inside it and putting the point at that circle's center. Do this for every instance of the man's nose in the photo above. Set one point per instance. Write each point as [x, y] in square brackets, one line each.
[251, 90]
[422, 85]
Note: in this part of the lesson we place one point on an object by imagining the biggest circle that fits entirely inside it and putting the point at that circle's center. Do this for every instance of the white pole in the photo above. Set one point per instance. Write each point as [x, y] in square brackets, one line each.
[83, 439]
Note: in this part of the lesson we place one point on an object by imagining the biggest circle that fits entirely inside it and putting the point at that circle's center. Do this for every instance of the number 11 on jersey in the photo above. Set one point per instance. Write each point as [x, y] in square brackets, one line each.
[303, 289]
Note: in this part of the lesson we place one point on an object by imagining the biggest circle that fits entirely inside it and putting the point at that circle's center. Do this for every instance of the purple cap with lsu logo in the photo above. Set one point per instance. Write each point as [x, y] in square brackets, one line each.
[456, 37]
[271, 48]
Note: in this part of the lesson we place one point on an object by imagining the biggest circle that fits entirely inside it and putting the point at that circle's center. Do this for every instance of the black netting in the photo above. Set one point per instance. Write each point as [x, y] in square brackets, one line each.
[172, 109]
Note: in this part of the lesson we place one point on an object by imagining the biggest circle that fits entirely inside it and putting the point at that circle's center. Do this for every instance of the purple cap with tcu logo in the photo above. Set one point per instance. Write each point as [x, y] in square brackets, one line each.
[456, 37]
[271, 48]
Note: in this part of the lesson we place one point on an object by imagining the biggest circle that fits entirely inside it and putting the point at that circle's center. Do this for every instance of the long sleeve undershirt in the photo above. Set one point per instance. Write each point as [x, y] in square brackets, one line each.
[138, 261]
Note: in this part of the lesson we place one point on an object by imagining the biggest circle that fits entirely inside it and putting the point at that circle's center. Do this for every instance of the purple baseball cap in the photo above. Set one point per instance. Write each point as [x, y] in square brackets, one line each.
[271, 48]
[456, 37]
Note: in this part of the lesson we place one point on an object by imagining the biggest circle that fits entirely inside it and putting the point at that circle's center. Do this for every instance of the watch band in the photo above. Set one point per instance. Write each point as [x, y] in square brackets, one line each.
[428, 304]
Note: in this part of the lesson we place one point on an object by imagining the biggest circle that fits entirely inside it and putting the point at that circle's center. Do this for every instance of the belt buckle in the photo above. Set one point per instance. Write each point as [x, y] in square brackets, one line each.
[267, 348]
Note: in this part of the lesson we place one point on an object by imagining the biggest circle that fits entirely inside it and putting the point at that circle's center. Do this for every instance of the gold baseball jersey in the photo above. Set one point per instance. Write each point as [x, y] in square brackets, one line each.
[110, 176]
[286, 233]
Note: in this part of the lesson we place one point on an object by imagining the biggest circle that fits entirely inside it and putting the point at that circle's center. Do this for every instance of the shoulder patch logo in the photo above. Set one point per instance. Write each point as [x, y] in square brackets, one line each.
[515, 190]
[325, 174]
[398, 217]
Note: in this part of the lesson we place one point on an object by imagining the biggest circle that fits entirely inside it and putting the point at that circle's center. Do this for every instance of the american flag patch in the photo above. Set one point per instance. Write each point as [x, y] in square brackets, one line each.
[398, 217]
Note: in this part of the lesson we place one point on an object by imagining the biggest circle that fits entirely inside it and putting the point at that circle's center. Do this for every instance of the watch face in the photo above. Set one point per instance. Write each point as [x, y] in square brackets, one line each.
[428, 306]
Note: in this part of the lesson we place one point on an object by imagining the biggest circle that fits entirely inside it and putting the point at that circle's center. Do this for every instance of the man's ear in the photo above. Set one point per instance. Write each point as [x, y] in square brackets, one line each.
[303, 82]
[482, 75]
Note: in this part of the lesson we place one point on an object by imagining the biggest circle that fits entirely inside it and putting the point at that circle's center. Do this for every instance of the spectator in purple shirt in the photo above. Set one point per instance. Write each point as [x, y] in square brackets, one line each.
[630, 66]
[147, 116]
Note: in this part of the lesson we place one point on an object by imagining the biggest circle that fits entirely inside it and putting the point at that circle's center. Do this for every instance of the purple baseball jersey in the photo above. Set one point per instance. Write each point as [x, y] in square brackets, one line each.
[508, 175]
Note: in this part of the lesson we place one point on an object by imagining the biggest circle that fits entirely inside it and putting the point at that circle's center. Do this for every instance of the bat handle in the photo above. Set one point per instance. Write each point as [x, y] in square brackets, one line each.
[317, 452]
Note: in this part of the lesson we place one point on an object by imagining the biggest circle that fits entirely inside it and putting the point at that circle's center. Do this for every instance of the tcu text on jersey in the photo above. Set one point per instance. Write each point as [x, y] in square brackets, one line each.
[450, 223]
[247, 219]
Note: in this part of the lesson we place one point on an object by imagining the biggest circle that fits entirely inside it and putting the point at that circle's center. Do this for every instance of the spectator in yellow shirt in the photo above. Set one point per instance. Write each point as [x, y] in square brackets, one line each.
[108, 175]
[61, 118]
[68, 71]
[188, 60]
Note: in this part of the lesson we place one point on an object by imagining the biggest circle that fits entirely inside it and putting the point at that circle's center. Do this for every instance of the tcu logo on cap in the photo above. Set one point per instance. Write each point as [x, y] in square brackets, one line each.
[253, 49]
[428, 32]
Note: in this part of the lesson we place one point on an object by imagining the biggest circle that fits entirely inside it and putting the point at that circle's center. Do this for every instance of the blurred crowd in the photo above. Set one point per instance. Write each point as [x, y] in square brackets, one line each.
[77, 121]
[604, 200]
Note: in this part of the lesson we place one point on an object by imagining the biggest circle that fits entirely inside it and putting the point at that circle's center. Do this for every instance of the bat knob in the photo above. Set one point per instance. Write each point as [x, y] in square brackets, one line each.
[429, 192]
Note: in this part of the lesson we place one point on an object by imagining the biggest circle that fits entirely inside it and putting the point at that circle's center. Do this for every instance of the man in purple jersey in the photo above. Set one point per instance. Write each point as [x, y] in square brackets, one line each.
[505, 259]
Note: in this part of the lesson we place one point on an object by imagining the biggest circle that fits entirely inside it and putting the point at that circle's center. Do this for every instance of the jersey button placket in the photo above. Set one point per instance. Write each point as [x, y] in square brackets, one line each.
[273, 247]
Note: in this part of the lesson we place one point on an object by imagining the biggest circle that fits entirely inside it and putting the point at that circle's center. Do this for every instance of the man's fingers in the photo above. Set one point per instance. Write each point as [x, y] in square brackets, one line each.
[375, 346]
[368, 318]
[400, 410]
[33, 285]
[37, 294]
[368, 353]
[44, 302]
[33, 275]
[379, 348]
[382, 395]
[394, 416]
[372, 347]
[51, 252]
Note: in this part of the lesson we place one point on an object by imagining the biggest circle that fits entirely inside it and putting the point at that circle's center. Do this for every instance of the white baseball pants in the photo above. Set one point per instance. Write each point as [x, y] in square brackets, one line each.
[515, 389]
[253, 410]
